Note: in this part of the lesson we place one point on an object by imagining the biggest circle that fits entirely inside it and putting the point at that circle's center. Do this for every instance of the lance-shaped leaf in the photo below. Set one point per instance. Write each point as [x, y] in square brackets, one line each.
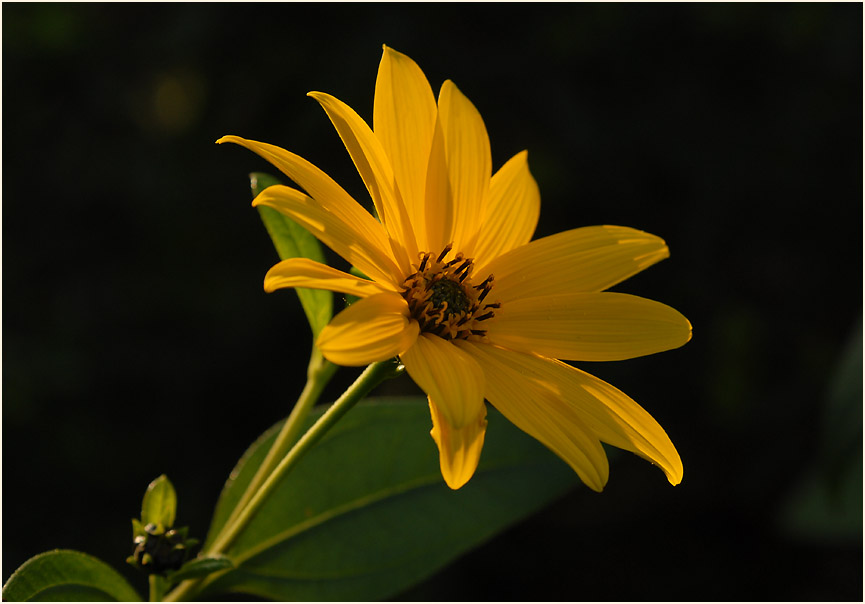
[366, 513]
[293, 241]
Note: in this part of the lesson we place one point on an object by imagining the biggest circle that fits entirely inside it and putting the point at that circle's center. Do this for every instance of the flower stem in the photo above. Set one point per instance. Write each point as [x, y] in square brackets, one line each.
[372, 376]
[157, 587]
[319, 373]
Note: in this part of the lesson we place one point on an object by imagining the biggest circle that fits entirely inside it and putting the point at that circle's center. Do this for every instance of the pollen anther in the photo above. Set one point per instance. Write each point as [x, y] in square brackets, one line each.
[442, 298]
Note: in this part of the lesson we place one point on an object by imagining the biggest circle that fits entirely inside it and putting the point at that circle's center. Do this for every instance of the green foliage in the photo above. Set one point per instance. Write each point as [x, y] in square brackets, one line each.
[293, 241]
[200, 567]
[366, 513]
[137, 528]
[159, 505]
[67, 576]
[825, 505]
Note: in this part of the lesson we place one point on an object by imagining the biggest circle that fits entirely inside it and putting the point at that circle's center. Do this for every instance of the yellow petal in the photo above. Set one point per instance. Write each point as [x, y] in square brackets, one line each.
[587, 259]
[439, 214]
[459, 449]
[511, 212]
[467, 148]
[449, 376]
[370, 330]
[303, 272]
[530, 408]
[322, 188]
[566, 393]
[374, 168]
[404, 115]
[602, 326]
[342, 237]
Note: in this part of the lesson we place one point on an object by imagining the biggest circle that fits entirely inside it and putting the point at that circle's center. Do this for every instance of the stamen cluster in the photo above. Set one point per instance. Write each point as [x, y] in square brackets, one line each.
[443, 300]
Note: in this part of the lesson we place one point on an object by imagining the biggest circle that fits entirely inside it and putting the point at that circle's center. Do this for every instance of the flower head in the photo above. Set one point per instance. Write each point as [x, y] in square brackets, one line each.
[474, 309]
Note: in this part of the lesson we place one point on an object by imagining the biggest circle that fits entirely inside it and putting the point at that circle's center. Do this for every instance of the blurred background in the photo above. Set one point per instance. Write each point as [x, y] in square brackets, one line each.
[137, 339]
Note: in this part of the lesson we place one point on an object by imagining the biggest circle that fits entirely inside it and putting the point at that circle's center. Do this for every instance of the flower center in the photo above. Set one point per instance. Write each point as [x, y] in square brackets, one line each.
[443, 300]
[449, 296]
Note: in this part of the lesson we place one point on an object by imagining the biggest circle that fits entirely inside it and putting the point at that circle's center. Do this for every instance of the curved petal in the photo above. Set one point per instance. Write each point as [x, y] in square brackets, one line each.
[303, 272]
[533, 409]
[568, 395]
[374, 168]
[511, 212]
[588, 259]
[602, 326]
[320, 187]
[439, 213]
[404, 115]
[449, 376]
[467, 148]
[459, 449]
[373, 329]
[340, 236]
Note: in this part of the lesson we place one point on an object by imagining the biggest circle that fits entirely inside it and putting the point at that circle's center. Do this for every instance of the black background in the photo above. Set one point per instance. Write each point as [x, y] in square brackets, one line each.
[137, 339]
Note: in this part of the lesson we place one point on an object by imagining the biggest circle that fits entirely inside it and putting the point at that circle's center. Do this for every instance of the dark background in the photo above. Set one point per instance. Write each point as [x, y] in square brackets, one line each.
[137, 339]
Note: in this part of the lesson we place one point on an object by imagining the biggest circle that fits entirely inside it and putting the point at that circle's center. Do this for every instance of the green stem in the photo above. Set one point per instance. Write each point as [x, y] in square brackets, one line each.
[157, 587]
[369, 379]
[372, 376]
[318, 373]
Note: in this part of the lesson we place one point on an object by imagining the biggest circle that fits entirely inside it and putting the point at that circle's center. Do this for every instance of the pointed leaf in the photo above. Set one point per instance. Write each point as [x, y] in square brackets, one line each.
[293, 241]
[159, 505]
[366, 513]
[67, 576]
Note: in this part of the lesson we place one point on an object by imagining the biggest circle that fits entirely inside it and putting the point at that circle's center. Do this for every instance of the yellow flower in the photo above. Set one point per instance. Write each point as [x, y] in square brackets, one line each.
[473, 309]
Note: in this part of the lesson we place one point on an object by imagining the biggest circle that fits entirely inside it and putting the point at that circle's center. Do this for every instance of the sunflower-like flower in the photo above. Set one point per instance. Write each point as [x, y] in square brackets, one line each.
[456, 289]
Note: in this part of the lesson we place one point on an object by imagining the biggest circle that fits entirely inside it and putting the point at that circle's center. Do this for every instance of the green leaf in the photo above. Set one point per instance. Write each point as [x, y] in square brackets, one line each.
[200, 567]
[366, 513]
[67, 576]
[159, 505]
[825, 505]
[293, 241]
